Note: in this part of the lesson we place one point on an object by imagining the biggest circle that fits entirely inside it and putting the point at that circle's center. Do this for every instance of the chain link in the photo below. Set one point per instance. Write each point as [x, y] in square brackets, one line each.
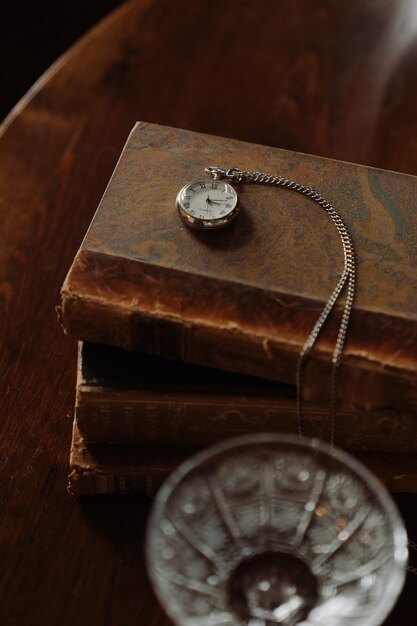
[235, 175]
[411, 568]
[348, 276]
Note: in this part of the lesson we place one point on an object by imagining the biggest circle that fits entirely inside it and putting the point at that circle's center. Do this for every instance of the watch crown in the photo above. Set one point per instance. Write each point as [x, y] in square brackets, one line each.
[216, 172]
[234, 174]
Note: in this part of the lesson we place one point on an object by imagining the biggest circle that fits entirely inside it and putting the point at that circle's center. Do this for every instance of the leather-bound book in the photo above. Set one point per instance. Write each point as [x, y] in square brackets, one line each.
[246, 297]
[106, 468]
[127, 468]
[131, 397]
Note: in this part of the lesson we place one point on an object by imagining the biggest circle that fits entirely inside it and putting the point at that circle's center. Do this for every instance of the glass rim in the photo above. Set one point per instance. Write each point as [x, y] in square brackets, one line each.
[374, 484]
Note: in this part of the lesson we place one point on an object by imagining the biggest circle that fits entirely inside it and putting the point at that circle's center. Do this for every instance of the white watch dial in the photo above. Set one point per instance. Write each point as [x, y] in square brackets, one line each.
[207, 203]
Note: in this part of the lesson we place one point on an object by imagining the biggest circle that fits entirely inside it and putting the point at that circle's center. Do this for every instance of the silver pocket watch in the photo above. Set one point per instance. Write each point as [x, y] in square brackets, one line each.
[208, 204]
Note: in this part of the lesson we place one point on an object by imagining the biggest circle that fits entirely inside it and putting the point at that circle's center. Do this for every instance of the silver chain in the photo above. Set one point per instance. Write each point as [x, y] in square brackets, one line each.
[413, 545]
[235, 175]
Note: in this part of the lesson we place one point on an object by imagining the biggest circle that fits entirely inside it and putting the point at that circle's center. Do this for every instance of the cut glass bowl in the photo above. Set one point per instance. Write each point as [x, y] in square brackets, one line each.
[273, 529]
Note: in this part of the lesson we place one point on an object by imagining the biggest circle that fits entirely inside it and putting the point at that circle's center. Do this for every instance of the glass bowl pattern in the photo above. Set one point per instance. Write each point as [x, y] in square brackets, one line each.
[273, 529]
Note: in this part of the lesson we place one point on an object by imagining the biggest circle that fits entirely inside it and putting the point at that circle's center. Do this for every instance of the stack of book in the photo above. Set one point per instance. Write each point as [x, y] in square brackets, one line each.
[189, 337]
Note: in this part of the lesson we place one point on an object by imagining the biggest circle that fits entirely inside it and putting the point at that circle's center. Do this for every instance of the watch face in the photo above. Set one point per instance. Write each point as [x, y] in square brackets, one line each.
[207, 204]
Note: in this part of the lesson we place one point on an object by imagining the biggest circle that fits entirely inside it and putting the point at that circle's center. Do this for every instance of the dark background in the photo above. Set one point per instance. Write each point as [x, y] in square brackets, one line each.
[34, 34]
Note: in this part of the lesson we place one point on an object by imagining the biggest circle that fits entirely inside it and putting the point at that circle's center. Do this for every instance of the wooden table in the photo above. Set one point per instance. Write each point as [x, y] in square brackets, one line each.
[333, 78]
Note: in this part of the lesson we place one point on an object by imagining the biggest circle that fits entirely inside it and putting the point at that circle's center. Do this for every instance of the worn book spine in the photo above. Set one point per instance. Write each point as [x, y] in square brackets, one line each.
[94, 482]
[130, 397]
[106, 415]
[118, 469]
[166, 417]
[106, 469]
[136, 320]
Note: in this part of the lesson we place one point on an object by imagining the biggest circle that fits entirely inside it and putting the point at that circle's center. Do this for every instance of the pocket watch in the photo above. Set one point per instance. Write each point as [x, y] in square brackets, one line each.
[207, 204]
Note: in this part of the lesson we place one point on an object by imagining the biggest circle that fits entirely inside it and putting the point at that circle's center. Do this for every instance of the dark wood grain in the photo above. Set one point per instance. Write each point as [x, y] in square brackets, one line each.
[331, 78]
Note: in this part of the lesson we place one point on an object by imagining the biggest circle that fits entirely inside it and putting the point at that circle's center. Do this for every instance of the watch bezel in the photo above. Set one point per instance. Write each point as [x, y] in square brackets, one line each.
[202, 223]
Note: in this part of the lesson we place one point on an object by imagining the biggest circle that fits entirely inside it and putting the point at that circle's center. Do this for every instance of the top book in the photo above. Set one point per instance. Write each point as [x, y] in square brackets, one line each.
[245, 298]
